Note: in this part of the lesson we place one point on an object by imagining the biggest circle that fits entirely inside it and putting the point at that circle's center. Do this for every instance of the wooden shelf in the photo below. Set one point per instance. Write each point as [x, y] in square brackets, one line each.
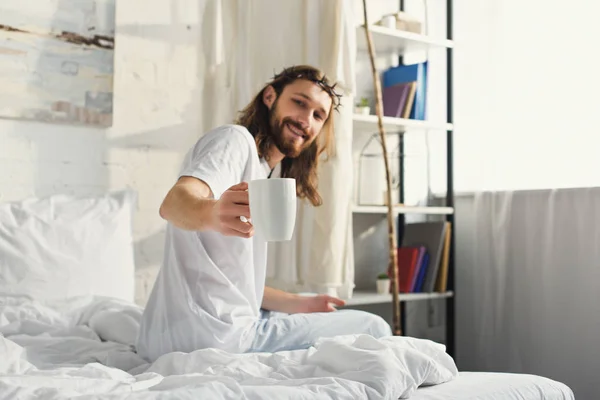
[367, 124]
[388, 41]
[399, 209]
[365, 297]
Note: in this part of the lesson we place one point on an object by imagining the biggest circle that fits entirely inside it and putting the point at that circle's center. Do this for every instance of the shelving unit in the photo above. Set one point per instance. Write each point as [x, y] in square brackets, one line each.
[390, 41]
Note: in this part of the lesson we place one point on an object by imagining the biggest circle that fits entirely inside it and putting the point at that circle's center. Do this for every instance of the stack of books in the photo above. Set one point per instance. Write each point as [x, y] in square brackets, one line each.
[404, 90]
[423, 257]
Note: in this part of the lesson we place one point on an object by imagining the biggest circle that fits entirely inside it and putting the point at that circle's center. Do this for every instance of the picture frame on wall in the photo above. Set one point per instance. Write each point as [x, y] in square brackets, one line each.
[57, 61]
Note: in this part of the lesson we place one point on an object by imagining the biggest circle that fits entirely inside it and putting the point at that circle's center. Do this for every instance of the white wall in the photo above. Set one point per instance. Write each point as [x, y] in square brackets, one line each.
[156, 97]
[526, 94]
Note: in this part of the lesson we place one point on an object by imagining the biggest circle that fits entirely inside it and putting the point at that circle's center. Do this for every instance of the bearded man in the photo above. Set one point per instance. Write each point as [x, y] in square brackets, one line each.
[210, 291]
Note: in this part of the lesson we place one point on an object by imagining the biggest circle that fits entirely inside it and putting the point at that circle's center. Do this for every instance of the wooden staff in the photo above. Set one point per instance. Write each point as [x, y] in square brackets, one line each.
[393, 262]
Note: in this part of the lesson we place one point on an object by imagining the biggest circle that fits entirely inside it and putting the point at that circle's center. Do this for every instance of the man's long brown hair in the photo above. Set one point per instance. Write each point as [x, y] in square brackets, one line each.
[256, 118]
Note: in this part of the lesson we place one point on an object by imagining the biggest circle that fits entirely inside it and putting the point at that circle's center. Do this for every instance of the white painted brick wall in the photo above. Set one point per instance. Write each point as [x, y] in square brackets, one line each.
[155, 119]
[155, 82]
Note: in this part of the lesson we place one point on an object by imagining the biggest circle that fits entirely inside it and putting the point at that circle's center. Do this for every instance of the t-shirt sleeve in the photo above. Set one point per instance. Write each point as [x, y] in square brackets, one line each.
[219, 159]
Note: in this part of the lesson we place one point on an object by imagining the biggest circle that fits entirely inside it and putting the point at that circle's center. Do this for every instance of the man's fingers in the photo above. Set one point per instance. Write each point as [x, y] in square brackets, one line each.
[234, 204]
[238, 225]
[336, 301]
[236, 210]
[238, 197]
[232, 232]
[239, 187]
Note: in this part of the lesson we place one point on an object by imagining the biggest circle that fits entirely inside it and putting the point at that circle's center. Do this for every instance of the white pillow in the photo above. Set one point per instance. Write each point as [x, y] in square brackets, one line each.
[63, 246]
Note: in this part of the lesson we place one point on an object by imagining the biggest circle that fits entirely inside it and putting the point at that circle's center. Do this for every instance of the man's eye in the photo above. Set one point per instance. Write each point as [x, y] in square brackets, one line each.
[299, 102]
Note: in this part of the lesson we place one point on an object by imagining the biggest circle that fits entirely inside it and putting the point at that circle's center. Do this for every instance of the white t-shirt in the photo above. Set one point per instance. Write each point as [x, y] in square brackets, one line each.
[210, 287]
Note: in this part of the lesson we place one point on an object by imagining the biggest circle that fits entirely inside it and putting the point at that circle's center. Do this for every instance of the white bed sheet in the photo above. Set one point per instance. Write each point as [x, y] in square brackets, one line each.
[496, 386]
[82, 349]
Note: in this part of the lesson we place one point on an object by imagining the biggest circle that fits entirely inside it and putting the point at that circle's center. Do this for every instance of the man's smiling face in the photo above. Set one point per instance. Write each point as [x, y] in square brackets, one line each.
[297, 116]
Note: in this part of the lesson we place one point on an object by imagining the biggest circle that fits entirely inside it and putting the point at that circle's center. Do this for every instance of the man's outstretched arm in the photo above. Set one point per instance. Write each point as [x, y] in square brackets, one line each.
[189, 205]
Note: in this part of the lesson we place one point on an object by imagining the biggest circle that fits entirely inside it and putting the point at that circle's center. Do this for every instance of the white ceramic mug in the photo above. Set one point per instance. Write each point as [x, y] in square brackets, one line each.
[273, 208]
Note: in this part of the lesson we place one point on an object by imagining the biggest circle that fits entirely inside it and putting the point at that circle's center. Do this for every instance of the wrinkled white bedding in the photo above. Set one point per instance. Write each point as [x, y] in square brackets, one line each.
[83, 348]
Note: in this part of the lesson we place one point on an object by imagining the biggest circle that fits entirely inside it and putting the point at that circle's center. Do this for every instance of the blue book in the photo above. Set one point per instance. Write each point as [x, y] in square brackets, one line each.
[422, 272]
[410, 73]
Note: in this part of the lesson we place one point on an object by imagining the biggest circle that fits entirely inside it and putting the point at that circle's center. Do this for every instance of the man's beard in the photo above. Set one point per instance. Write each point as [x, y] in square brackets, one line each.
[287, 146]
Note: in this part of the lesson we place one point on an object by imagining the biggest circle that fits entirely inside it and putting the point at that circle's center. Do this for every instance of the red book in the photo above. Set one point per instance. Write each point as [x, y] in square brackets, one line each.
[408, 258]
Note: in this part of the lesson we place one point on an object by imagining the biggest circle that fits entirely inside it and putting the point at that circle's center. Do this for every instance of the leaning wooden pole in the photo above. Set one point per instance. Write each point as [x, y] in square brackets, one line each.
[393, 262]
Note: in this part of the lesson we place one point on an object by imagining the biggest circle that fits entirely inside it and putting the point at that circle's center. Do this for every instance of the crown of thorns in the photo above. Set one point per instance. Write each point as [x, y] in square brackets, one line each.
[293, 74]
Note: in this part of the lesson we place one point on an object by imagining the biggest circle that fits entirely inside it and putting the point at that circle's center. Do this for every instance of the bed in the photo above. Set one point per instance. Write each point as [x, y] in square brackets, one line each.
[68, 326]
[495, 386]
[84, 347]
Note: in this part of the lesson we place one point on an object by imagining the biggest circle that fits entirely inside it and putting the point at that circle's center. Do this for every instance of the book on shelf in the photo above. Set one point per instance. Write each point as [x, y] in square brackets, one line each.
[408, 259]
[398, 99]
[405, 75]
[423, 257]
[442, 280]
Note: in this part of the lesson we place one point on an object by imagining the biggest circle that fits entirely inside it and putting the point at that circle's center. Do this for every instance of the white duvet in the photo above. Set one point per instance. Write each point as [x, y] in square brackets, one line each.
[84, 349]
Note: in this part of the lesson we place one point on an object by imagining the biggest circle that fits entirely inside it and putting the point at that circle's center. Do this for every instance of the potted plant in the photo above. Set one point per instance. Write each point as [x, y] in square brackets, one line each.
[362, 107]
[383, 283]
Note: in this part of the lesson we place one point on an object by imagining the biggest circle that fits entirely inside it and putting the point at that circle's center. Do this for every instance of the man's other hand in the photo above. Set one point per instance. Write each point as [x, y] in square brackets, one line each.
[318, 303]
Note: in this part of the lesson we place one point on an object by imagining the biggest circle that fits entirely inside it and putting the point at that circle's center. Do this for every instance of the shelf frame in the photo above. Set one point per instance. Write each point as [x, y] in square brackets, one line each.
[450, 303]
[400, 209]
[362, 298]
[390, 42]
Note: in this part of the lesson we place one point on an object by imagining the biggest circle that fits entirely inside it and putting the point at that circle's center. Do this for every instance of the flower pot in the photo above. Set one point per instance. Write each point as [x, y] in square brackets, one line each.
[383, 286]
[362, 110]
